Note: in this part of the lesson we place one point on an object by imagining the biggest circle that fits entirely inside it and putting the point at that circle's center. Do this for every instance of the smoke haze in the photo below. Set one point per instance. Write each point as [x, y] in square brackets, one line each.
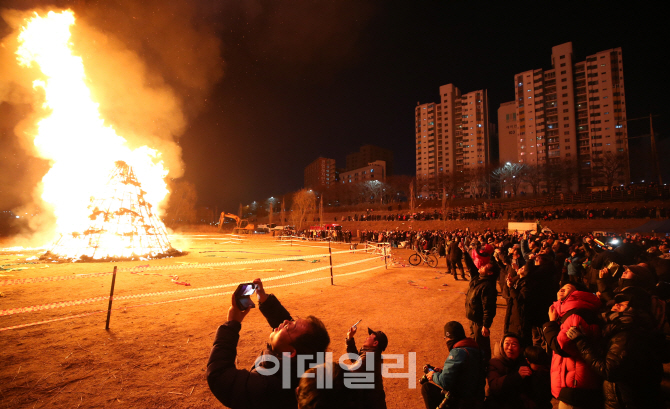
[150, 67]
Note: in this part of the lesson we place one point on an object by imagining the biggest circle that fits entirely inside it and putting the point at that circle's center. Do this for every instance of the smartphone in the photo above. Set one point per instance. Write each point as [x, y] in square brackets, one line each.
[430, 368]
[243, 296]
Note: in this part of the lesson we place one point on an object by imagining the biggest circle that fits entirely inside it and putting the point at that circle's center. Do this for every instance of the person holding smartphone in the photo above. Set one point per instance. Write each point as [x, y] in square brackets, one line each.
[370, 355]
[264, 385]
[461, 380]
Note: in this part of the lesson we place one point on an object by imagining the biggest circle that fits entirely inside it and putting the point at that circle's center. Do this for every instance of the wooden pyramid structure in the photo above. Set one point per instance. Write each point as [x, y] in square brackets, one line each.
[122, 227]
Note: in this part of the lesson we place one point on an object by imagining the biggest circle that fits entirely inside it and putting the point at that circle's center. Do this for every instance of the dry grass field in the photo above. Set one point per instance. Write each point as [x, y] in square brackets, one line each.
[155, 353]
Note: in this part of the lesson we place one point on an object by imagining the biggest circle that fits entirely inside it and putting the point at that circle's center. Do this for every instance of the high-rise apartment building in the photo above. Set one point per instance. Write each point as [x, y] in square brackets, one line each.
[574, 112]
[451, 136]
[507, 133]
[320, 174]
[368, 154]
[372, 171]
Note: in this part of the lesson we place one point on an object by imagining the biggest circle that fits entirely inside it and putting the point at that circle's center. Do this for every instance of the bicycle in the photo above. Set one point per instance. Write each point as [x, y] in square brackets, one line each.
[417, 258]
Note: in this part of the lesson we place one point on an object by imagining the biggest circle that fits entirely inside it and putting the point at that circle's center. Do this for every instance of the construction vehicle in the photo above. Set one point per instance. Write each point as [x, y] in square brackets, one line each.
[243, 225]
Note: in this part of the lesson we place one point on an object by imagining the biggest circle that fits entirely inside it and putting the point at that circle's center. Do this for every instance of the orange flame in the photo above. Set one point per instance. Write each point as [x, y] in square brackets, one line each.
[73, 136]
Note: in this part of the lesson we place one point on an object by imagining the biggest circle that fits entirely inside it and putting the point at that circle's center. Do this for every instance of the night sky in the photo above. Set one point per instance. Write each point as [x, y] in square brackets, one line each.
[303, 79]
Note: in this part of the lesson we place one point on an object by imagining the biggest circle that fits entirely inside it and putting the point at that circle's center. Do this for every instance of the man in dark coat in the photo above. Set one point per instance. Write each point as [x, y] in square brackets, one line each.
[264, 386]
[454, 256]
[480, 303]
[370, 356]
[629, 361]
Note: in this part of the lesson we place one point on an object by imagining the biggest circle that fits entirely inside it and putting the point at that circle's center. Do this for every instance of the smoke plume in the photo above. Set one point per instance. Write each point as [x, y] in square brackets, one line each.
[150, 66]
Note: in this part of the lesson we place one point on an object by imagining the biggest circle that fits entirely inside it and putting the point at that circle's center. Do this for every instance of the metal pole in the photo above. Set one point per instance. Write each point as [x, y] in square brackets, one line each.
[385, 259]
[330, 257]
[111, 298]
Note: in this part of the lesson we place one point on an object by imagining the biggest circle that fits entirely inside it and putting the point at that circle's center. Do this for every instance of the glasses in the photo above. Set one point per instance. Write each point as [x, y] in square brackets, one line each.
[291, 326]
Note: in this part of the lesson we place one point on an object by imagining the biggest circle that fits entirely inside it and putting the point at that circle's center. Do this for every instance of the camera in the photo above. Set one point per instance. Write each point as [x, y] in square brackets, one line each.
[427, 368]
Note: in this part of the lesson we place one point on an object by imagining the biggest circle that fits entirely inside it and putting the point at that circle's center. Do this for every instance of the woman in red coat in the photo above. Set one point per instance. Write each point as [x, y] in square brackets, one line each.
[573, 382]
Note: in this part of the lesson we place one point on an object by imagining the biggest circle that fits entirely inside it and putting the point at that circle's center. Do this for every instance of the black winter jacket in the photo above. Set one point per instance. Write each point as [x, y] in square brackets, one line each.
[480, 302]
[629, 364]
[241, 388]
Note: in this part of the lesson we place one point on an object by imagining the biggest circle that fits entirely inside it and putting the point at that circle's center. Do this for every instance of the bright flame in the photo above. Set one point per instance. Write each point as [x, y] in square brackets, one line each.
[82, 149]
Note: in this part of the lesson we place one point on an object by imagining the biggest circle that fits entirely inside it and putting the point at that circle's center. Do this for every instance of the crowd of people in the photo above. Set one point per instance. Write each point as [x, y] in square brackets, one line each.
[517, 215]
[585, 325]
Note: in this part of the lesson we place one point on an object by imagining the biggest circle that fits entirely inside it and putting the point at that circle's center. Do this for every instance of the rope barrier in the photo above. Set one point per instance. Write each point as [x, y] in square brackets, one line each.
[62, 304]
[43, 279]
[176, 300]
[148, 267]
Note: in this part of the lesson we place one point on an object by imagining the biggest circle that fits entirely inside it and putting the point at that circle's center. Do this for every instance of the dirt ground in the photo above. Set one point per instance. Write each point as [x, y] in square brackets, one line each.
[154, 356]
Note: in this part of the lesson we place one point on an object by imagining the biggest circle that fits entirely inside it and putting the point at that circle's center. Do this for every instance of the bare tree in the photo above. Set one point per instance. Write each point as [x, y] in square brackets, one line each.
[373, 190]
[533, 176]
[509, 176]
[610, 167]
[553, 176]
[571, 174]
[271, 204]
[412, 184]
[397, 187]
[451, 182]
[321, 211]
[304, 204]
[282, 215]
[484, 179]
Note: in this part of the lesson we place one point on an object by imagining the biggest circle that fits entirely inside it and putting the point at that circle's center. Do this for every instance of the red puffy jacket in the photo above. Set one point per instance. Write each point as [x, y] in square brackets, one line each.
[568, 369]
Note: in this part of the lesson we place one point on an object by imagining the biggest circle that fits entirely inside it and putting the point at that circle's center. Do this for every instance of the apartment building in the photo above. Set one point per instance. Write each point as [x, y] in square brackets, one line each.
[574, 112]
[451, 136]
[367, 154]
[507, 133]
[320, 174]
[375, 170]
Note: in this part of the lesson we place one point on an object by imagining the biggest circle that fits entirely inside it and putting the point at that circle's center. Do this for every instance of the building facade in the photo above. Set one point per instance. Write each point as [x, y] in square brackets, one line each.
[372, 171]
[320, 174]
[452, 137]
[507, 133]
[573, 113]
[368, 154]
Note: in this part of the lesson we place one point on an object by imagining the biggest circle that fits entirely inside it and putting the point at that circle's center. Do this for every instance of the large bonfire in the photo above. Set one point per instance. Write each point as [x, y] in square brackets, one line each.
[105, 196]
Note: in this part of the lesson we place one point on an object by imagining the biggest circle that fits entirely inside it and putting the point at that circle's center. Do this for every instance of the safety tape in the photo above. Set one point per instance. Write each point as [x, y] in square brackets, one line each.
[44, 279]
[62, 304]
[176, 300]
[148, 267]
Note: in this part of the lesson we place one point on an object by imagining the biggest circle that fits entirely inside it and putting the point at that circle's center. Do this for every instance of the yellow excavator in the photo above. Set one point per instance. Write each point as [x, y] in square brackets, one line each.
[243, 225]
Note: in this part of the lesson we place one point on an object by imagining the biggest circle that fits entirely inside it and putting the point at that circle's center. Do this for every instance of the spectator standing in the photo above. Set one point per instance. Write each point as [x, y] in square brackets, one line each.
[573, 383]
[629, 361]
[454, 259]
[480, 304]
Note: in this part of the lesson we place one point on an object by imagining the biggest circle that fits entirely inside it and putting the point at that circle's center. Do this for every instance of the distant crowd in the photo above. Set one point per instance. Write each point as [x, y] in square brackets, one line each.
[654, 212]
